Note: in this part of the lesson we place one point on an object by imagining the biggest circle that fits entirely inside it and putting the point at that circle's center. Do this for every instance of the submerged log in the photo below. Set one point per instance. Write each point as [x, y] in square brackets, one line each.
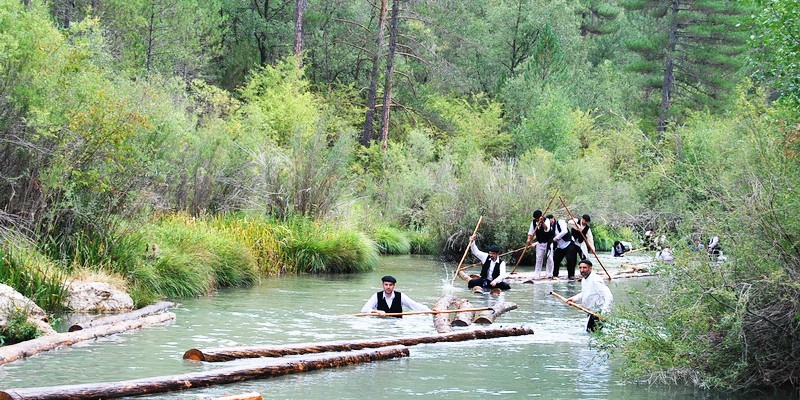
[243, 396]
[441, 322]
[232, 353]
[254, 370]
[487, 317]
[28, 348]
[112, 319]
[463, 318]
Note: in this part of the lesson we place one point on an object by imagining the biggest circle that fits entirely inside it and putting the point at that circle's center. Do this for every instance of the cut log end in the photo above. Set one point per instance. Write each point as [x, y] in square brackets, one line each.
[194, 355]
[74, 328]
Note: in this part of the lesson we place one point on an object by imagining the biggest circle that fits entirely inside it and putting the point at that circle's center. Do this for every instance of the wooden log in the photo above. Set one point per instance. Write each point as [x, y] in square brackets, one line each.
[463, 318]
[112, 319]
[232, 353]
[28, 348]
[441, 322]
[243, 396]
[255, 370]
[488, 317]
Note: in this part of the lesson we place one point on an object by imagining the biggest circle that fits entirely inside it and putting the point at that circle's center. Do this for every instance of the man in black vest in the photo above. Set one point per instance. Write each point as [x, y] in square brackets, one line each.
[544, 233]
[493, 271]
[390, 301]
[564, 248]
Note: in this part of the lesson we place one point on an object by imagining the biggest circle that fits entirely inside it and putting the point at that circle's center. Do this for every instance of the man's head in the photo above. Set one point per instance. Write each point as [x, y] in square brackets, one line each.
[494, 251]
[586, 219]
[388, 284]
[536, 215]
[586, 268]
[551, 218]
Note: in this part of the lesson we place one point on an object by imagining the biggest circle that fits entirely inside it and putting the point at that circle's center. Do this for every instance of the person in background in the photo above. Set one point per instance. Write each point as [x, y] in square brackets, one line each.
[565, 247]
[619, 249]
[713, 248]
[594, 295]
[544, 234]
[493, 272]
[390, 301]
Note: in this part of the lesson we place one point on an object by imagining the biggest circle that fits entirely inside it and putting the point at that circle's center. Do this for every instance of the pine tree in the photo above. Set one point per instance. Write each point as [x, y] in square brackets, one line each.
[690, 55]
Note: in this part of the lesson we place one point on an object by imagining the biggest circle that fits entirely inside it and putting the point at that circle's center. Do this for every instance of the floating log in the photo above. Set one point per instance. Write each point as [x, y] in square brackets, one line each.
[112, 319]
[232, 353]
[463, 318]
[488, 317]
[254, 370]
[243, 396]
[441, 322]
[28, 348]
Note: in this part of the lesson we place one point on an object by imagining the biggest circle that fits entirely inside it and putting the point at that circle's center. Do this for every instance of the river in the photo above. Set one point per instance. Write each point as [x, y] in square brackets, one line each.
[557, 362]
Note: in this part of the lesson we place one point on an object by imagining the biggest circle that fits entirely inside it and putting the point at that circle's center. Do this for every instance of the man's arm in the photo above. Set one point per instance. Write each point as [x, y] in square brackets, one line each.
[502, 274]
[608, 298]
[477, 253]
[371, 305]
[407, 301]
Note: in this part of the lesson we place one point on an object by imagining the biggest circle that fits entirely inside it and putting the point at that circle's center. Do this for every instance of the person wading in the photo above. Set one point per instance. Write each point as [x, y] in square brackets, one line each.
[390, 301]
[594, 294]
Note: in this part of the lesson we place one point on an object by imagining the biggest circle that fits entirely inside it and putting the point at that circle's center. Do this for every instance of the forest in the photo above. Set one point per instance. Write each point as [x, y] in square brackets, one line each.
[174, 147]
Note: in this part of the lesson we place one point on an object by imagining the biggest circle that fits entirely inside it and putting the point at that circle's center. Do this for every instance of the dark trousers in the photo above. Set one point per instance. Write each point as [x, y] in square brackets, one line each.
[593, 324]
[571, 254]
[486, 284]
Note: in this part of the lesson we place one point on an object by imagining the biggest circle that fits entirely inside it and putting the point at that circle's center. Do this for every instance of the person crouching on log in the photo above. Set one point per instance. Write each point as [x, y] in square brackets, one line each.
[390, 301]
[493, 271]
[594, 293]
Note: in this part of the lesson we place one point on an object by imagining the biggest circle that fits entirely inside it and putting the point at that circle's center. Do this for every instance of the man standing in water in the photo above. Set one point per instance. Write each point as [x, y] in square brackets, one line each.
[493, 271]
[390, 301]
[544, 234]
[594, 293]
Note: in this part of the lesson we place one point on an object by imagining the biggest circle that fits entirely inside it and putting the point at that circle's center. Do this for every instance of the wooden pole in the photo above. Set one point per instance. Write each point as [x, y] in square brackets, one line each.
[232, 353]
[564, 203]
[242, 396]
[144, 311]
[546, 209]
[634, 250]
[466, 250]
[398, 314]
[578, 306]
[258, 369]
[28, 348]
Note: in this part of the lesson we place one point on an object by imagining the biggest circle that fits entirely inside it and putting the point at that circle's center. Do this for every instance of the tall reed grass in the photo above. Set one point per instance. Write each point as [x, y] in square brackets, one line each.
[391, 240]
[33, 275]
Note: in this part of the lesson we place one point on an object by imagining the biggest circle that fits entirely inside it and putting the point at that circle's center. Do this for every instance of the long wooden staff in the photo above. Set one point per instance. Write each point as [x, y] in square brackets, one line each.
[579, 307]
[466, 250]
[634, 250]
[477, 263]
[546, 209]
[419, 312]
[584, 237]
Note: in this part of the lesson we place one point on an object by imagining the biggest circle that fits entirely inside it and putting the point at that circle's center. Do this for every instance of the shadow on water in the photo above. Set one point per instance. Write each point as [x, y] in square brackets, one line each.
[557, 362]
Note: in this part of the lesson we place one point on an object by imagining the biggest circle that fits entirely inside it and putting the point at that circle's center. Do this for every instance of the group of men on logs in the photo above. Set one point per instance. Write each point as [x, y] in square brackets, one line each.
[555, 241]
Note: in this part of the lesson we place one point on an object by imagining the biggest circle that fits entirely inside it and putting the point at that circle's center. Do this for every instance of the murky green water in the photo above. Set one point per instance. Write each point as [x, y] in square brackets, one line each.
[556, 362]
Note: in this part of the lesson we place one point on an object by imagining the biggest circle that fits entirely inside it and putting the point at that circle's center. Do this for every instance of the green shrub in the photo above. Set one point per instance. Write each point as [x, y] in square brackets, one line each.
[33, 275]
[18, 328]
[421, 242]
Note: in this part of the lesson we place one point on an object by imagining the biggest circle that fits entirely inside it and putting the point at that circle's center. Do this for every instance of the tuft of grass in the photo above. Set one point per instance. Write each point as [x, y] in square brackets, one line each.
[422, 242]
[392, 241]
[33, 275]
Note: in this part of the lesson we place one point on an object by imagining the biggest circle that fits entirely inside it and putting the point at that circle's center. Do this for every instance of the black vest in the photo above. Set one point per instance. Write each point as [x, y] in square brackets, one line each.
[567, 237]
[397, 305]
[578, 237]
[544, 237]
[485, 269]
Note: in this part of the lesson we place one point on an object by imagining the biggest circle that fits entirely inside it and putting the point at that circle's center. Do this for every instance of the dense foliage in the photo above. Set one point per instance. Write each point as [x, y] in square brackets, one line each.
[180, 148]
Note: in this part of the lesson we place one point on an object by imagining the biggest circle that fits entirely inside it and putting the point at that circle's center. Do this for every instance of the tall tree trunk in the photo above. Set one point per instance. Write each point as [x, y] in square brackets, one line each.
[150, 39]
[300, 7]
[669, 69]
[387, 87]
[373, 79]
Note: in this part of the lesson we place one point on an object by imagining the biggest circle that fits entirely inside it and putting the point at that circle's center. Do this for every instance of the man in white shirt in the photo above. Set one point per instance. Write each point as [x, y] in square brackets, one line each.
[594, 294]
[493, 272]
[390, 301]
[541, 230]
[564, 248]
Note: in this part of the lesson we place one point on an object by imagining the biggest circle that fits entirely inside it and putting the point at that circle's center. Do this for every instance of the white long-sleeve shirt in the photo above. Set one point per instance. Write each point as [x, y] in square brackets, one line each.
[594, 294]
[405, 301]
[560, 232]
[576, 224]
[492, 264]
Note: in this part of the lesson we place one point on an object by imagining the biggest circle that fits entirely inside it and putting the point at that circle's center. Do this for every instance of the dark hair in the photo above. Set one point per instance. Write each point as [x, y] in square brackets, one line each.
[587, 218]
[548, 216]
[537, 214]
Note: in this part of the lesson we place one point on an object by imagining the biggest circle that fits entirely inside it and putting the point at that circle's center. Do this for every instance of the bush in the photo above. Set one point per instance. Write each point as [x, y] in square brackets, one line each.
[33, 275]
[18, 329]
[391, 241]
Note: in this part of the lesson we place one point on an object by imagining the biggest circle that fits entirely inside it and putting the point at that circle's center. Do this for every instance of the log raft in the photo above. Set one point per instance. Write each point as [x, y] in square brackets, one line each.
[255, 370]
[232, 353]
[28, 348]
[243, 396]
[112, 319]
[463, 318]
[441, 322]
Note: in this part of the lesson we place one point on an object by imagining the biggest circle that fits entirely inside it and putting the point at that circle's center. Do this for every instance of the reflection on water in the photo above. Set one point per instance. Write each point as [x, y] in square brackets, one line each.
[554, 363]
